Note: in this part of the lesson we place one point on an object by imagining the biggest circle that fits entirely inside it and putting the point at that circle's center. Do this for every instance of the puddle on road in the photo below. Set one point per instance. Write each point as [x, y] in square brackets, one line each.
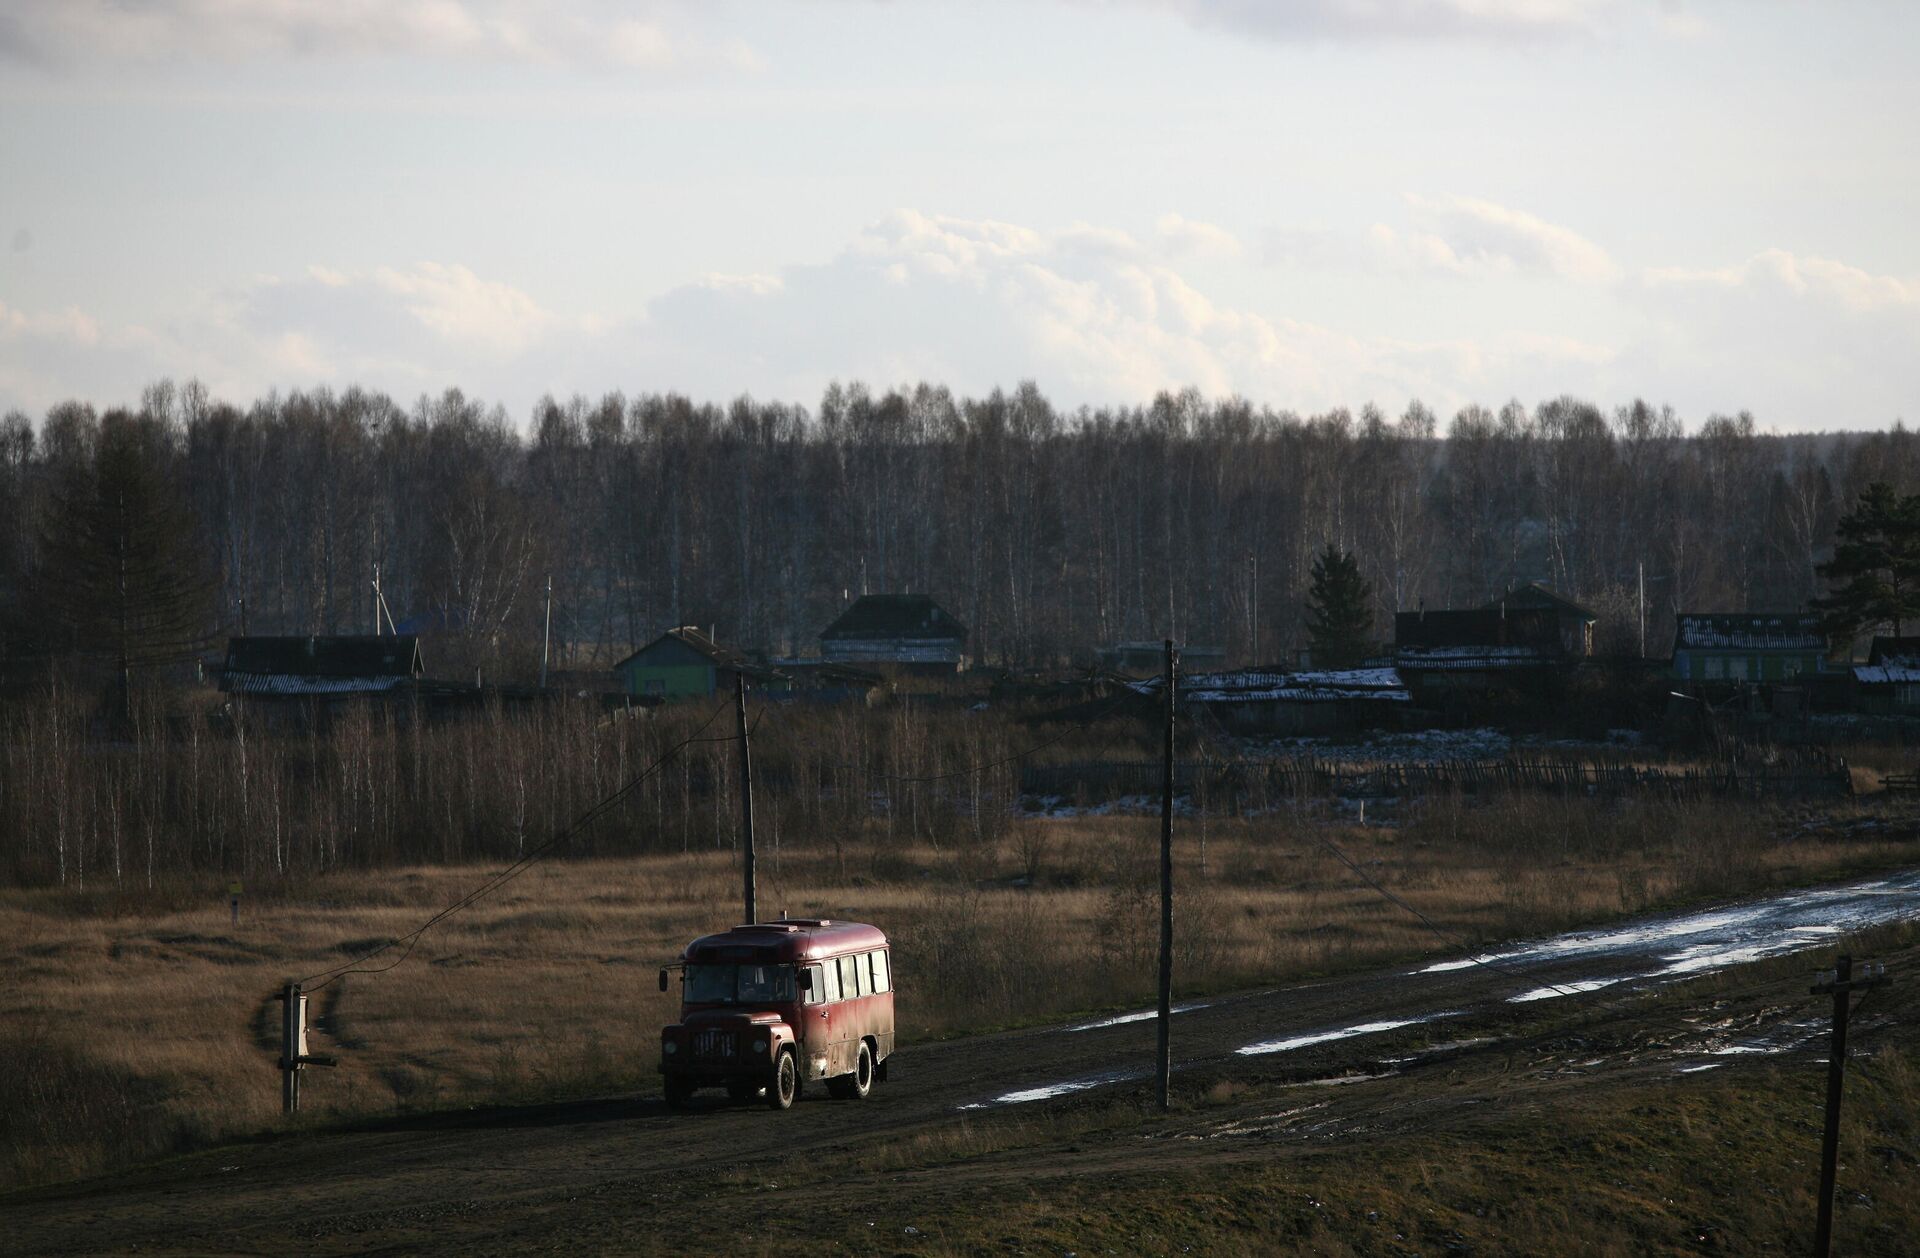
[1141, 1015]
[1322, 1037]
[1048, 1091]
[1697, 943]
[1571, 989]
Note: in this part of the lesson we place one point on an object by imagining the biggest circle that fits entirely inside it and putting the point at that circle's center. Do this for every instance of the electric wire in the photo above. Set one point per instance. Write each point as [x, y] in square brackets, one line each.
[519, 866]
[1106, 709]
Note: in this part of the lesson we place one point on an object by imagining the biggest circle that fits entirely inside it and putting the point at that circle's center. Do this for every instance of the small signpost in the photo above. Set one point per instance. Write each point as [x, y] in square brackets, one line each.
[233, 900]
[293, 1046]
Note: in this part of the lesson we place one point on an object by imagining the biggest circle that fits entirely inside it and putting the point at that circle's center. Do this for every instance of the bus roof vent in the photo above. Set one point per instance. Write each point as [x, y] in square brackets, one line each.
[775, 928]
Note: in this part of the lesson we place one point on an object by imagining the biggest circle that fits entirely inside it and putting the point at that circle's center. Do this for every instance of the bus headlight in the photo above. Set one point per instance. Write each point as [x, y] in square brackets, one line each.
[760, 1044]
[670, 1048]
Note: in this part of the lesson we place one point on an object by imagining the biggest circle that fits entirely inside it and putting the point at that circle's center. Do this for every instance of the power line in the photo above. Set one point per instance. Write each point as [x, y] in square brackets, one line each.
[518, 867]
[1080, 725]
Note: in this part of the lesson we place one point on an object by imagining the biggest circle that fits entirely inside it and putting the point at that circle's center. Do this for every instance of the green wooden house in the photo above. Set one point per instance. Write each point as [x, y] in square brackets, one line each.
[1750, 646]
[684, 663]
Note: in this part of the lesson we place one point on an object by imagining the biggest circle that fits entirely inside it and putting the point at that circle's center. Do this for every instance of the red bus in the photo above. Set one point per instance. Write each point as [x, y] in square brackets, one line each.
[773, 1006]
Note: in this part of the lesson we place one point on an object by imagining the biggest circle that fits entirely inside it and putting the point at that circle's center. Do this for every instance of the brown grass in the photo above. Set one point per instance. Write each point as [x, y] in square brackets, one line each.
[137, 1026]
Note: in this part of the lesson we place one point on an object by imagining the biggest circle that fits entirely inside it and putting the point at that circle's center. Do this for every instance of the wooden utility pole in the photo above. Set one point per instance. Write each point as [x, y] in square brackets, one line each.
[746, 793]
[1163, 1066]
[546, 639]
[1841, 983]
[293, 1046]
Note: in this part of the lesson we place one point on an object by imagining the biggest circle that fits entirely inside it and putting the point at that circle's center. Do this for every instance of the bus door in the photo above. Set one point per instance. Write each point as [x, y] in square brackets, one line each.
[826, 1016]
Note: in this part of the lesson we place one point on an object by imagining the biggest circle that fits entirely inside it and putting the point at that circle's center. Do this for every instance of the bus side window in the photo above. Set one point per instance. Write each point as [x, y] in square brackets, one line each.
[882, 981]
[816, 991]
[827, 986]
[850, 985]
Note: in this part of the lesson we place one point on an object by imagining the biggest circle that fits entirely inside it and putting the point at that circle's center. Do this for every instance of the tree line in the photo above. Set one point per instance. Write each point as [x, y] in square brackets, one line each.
[1047, 532]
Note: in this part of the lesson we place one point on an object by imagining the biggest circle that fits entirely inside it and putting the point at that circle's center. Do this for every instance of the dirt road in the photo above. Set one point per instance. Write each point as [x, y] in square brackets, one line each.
[602, 1173]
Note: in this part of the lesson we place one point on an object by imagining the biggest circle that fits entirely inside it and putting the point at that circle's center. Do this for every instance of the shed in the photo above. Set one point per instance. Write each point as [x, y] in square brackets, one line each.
[1888, 684]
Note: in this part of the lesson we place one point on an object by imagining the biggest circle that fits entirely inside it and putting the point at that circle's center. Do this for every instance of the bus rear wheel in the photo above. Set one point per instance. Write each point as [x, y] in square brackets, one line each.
[785, 1085]
[854, 1087]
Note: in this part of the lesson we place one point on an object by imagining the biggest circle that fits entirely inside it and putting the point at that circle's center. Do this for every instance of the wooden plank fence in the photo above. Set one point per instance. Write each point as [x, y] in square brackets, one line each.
[1237, 785]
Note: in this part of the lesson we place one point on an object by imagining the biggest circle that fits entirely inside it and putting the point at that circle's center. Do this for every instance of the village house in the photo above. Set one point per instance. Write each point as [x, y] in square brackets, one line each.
[907, 633]
[1750, 647]
[1575, 622]
[1480, 649]
[685, 663]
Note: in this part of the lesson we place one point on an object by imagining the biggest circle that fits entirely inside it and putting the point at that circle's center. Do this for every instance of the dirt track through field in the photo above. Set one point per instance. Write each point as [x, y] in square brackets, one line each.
[504, 1179]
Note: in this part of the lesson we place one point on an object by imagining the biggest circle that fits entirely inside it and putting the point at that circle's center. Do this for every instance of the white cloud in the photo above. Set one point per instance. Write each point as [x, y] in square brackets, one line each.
[71, 326]
[1398, 19]
[465, 309]
[641, 36]
[1086, 311]
[1795, 276]
[1810, 340]
[1182, 235]
[1466, 234]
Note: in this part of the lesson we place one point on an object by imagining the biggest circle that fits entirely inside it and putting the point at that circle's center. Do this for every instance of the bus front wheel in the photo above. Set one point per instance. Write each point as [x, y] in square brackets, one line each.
[786, 1083]
[678, 1092]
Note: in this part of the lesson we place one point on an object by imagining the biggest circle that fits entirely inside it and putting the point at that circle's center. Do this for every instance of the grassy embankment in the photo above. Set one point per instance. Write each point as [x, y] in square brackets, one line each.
[141, 1022]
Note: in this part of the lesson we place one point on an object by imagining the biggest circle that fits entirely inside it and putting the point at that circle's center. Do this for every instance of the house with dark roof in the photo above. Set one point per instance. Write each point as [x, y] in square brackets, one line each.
[321, 667]
[685, 663]
[1479, 648]
[1750, 647]
[1576, 622]
[898, 632]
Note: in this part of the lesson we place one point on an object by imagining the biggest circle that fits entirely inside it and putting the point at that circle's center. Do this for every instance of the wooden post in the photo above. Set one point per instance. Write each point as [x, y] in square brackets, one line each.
[1842, 984]
[546, 635]
[746, 795]
[1163, 1065]
[293, 1045]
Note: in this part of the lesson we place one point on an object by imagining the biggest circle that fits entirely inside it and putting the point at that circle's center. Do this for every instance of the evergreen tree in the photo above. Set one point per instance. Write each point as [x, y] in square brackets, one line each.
[1339, 610]
[1875, 569]
[122, 574]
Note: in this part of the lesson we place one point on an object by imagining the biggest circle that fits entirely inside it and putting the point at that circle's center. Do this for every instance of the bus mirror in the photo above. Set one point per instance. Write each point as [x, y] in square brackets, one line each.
[804, 979]
[663, 980]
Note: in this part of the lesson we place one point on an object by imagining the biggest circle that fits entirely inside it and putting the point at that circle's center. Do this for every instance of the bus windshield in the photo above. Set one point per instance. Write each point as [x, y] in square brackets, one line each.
[739, 984]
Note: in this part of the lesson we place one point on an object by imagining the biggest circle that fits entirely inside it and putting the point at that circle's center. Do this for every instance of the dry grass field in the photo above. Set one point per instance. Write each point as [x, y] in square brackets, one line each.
[135, 1024]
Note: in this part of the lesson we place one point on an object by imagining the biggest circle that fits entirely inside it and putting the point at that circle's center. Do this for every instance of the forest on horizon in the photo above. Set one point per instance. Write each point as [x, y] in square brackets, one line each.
[1048, 533]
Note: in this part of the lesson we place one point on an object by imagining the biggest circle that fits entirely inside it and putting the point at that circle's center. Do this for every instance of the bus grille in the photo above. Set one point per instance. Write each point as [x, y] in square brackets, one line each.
[715, 1044]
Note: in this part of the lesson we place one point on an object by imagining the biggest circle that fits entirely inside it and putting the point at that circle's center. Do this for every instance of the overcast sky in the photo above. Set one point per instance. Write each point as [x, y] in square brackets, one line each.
[1309, 204]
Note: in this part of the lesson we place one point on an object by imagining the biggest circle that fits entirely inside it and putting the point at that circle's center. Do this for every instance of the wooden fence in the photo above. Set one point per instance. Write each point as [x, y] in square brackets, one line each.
[1237, 785]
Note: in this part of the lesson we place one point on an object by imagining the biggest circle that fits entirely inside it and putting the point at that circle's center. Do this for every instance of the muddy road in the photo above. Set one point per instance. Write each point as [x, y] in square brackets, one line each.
[601, 1173]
